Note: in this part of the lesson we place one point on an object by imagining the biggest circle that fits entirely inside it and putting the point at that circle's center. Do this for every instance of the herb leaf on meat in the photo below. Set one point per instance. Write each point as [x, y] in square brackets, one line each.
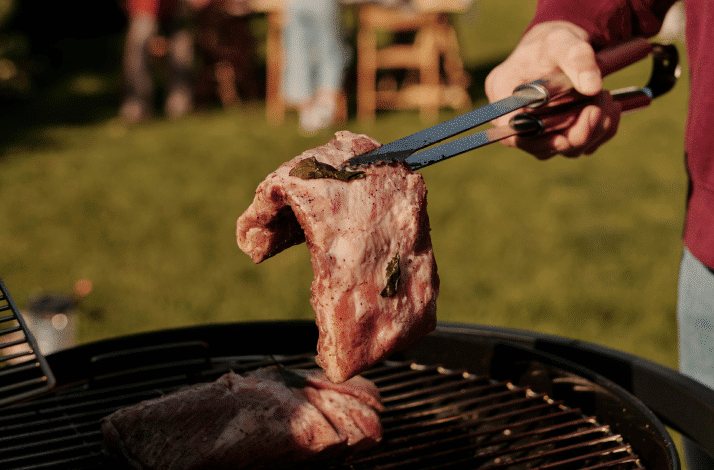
[310, 168]
[393, 275]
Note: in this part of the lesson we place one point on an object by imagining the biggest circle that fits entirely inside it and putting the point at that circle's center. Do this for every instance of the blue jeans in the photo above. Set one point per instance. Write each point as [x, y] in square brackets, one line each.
[695, 319]
[315, 54]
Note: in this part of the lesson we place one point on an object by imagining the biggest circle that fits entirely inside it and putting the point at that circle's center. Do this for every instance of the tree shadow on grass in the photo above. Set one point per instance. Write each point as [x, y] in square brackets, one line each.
[61, 42]
[22, 123]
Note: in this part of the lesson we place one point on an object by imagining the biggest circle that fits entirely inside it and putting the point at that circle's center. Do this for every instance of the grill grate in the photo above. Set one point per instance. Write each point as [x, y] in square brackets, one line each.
[435, 418]
[438, 418]
[25, 372]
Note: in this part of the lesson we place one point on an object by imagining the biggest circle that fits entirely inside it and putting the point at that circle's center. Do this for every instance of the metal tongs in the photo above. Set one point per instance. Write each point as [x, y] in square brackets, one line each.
[555, 89]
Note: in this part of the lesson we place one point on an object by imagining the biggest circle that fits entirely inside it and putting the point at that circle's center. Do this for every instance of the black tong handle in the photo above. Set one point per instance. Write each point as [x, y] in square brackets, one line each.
[665, 71]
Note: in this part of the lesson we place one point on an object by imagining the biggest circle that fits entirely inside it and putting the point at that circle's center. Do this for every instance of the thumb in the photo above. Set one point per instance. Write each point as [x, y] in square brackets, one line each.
[576, 58]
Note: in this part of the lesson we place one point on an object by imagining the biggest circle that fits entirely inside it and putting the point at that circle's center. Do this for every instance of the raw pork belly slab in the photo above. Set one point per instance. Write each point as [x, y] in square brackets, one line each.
[255, 421]
[375, 285]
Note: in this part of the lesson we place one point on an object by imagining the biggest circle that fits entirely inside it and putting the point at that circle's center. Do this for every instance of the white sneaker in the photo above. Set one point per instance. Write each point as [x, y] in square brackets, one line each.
[134, 110]
[319, 115]
[178, 104]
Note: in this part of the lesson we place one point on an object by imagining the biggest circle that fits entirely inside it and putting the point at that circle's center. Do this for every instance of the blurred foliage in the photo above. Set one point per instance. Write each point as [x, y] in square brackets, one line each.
[6, 9]
[14, 73]
[41, 42]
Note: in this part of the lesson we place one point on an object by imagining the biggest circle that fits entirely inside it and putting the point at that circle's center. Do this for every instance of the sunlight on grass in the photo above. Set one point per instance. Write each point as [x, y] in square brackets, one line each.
[585, 248]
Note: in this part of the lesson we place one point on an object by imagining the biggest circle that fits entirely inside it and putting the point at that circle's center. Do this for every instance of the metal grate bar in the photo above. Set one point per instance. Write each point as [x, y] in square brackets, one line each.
[510, 412]
[76, 419]
[437, 425]
[554, 440]
[48, 455]
[506, 429]
[402, 376]
[408, 448]
[21, 365]
[12, 329]
[614, 463]
[23, 384]
[88, 459]
[66, 396]
[446, 460]
[415, 388]
[476, 435]
[24, 367]
[455, 407]
[37, 436]
[569, 462]
[57, 442]
[441, 391]
[553, 454]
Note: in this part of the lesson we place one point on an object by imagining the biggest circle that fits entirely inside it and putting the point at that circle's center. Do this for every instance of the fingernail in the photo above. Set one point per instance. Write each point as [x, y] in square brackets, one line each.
[589, 82]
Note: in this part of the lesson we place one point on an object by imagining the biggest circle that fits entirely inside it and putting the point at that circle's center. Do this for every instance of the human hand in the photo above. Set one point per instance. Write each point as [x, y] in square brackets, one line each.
[547, 48]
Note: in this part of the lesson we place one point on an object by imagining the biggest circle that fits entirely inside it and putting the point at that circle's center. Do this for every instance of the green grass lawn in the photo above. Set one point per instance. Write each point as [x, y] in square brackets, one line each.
[585, 248]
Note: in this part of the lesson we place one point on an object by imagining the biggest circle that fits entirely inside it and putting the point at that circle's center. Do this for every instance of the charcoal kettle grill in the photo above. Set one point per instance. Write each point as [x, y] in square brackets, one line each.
[465, 396]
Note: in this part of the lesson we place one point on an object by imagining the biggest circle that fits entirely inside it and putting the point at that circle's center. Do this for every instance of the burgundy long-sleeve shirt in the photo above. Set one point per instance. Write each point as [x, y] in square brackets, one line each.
[612, 21]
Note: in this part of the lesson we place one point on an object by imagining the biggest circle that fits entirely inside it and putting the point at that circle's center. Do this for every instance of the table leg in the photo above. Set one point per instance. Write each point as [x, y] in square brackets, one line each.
[274, 105]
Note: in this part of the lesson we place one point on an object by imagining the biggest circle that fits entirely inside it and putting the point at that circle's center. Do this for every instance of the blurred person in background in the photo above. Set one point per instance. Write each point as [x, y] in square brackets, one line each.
[315, 61]
[564, 34]
[147, 20]
[226, 51]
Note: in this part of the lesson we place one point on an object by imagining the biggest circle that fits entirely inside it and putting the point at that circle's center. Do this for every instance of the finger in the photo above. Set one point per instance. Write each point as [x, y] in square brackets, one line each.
[610, 128]
[563, 132]
[596, 125]
[570, 141]
[573, 135]
[543, 147]
[576, 58]
[586, 129]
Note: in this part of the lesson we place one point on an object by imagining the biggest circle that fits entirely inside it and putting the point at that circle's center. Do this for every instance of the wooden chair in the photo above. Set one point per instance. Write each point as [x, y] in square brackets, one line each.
[435, 76]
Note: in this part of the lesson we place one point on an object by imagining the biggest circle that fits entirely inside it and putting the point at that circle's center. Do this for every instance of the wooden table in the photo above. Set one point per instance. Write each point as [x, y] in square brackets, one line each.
[435, 47]
[274, 104]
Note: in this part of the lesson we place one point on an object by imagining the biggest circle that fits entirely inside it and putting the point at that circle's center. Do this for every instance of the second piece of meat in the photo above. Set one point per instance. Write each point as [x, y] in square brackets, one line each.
[247, 422]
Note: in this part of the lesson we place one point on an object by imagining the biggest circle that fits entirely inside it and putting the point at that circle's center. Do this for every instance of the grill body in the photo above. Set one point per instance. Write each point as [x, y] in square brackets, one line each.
[463, 396]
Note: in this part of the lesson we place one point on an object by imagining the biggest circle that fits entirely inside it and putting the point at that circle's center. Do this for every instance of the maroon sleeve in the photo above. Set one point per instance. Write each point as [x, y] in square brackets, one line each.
[607, 21]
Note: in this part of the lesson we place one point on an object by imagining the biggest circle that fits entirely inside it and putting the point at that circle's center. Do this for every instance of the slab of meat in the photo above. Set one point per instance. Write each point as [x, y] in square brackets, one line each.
[252, 421]
[375, 284]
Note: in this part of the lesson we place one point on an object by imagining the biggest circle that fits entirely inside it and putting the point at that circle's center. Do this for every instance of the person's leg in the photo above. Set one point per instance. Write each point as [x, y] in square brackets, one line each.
[138, 83]
[179, 98]
[333, 57]
[695, 319]
[177, 22]
[297, 80]
[333, 54]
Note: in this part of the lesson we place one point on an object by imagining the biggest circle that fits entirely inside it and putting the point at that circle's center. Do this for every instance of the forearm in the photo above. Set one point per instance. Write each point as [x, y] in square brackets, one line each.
[606, 22]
